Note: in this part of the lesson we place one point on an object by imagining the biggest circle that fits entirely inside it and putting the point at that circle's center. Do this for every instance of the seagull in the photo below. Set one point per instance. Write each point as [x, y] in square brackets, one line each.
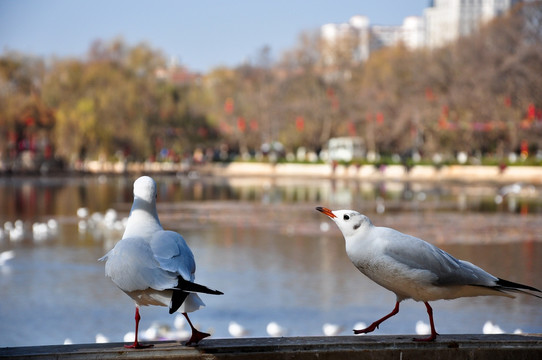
[413, 268]
[422, 328]
[5, 256]
[101, 339]
[331, 329]
[275, 330]
[237, 330]
[490, 328]
[154, 266]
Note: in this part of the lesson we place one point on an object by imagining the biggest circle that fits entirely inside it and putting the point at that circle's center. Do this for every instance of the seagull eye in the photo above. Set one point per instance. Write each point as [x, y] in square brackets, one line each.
[346, 217]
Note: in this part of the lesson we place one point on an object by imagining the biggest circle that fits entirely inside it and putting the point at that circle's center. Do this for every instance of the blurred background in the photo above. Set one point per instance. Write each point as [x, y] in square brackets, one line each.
[191, 85]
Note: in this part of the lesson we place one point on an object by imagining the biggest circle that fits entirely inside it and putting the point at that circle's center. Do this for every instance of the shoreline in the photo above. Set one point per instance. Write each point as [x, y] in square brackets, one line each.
[458, 173]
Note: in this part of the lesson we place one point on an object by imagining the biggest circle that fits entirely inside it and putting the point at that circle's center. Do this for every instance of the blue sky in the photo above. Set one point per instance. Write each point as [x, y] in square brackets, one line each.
[202, 34]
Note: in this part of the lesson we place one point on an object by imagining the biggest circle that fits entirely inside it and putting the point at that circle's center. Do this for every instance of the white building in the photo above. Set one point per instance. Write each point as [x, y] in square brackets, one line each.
[413, 32]
[447, 20]
[442, 22]
[340, 37]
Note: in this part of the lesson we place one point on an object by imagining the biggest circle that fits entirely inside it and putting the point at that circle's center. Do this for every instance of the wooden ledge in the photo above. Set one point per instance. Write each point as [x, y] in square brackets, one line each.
[491, 347]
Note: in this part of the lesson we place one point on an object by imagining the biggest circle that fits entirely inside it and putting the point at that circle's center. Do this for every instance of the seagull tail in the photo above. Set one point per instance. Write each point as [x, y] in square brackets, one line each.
[505, 285]
[183, 289]
[188, 286]
[177, 300]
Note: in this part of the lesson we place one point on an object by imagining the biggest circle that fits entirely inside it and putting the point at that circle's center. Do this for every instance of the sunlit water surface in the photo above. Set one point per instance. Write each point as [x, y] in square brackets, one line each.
[262, 243]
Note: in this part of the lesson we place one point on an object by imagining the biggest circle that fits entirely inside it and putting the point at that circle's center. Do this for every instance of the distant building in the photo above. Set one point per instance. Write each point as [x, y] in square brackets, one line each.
[338, 38]
[447, 20]
[442, 22]
[413, 32]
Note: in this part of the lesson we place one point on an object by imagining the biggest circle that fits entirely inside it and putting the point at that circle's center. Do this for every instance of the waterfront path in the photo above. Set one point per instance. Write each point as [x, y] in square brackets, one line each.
[463, 173]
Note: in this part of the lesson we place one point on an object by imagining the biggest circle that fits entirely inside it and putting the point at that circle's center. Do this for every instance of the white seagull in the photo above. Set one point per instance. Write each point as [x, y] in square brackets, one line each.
[413, 268]
[237, 330]
[154, 266]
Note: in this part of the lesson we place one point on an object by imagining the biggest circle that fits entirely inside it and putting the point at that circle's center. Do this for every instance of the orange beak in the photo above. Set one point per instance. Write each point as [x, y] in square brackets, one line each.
[326, 211]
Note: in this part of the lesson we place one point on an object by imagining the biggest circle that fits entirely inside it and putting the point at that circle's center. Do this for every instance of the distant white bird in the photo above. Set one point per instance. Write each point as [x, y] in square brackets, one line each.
[40, 232]
[490, 328]
[360, 325]
[5, 256]
[275, 330]
[514, 189]
[129, 336]
[82, 212]
[324, 227]
[179, 322]
[237, 330]
[154, 266]
[422, 328]
[413, 268]
[101, 339]
[178, 332]
[331, 329]
[16, 231]
[156, 331]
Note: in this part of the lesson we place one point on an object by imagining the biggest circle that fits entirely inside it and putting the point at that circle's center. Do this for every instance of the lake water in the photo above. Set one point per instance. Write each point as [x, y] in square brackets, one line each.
[263, 244]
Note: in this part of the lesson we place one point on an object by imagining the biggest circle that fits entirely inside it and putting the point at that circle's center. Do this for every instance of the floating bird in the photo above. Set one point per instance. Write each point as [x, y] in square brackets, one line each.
[82, 212]
[5, 256]
[101, 339]
[275, 330]
[237, 330]
[179, 332]
[129, 336]
[154, 266]
[360, 324]
[490, 328]
[422, 328]
[413, 268]
[331, 329]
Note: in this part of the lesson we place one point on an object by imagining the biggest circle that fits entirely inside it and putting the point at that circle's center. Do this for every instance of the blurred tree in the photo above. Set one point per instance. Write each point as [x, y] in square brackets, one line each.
[480, 94]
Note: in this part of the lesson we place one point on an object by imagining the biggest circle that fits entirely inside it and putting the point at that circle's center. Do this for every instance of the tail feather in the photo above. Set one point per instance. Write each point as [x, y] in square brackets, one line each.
[189, 286]
[183, 289]
[505, 285]
[177, 300]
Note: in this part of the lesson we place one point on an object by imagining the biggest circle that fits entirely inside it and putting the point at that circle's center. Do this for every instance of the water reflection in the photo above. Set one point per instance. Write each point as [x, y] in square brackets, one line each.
[263, 244]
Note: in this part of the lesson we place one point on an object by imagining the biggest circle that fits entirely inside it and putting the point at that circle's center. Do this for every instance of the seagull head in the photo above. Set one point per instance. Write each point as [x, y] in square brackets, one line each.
[145, 189]
[349, 221]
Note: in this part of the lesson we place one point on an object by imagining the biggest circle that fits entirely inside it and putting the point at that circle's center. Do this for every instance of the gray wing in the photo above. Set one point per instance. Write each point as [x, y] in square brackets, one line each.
[173, 254]
[132, 266]
[447, 270]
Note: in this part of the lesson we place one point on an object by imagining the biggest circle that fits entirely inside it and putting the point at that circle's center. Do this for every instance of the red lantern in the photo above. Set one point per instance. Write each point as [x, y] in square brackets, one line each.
[300, 123]
[241, 124]
[228, 106]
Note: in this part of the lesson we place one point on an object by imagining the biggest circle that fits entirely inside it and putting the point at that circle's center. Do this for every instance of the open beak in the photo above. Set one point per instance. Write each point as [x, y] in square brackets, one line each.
[326, 211]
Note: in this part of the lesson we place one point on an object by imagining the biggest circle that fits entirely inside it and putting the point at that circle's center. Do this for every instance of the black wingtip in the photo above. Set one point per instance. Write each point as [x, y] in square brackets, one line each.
[194, 287]
[513, 286]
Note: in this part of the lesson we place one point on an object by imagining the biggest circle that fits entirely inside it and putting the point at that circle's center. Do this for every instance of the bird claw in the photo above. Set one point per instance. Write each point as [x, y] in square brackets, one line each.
[367, 330]
[196, 337]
